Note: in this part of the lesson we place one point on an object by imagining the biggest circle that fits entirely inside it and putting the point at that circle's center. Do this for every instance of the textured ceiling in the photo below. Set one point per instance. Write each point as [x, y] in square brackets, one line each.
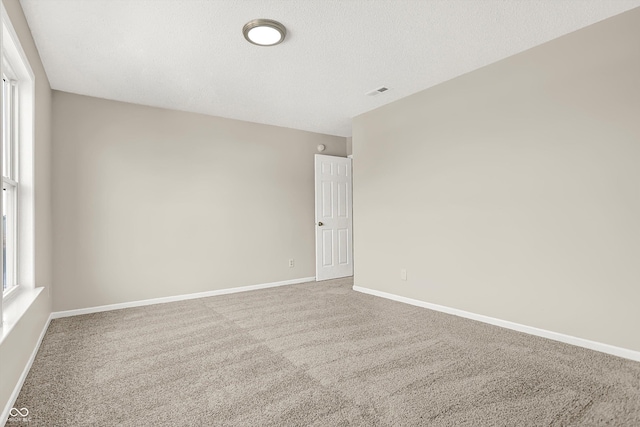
[190, 55]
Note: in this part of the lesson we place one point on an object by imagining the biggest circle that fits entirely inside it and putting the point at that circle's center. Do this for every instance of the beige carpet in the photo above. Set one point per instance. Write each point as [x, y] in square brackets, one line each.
[315, 354]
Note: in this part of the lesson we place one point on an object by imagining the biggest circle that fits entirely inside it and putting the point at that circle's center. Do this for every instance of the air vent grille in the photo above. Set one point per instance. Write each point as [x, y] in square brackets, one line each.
[377, 91]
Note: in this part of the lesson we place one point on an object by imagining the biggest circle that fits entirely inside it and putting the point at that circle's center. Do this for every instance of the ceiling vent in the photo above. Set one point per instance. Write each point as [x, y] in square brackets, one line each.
[377, 91]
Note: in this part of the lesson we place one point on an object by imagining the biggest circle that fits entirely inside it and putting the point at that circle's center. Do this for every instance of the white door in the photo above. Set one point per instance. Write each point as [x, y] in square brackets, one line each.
[334, 222]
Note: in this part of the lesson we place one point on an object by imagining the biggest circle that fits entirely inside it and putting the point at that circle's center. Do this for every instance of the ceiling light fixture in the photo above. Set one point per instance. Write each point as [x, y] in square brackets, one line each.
[264, 32]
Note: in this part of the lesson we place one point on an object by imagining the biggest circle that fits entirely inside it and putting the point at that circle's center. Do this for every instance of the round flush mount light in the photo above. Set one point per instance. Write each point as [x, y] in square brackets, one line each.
[264, 32]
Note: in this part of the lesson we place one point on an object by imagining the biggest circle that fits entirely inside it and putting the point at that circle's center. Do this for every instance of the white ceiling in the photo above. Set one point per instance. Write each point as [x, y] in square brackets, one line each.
[190, 55]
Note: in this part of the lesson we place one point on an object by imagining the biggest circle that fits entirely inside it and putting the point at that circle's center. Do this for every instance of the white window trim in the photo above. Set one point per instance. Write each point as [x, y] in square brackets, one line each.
[25, 268]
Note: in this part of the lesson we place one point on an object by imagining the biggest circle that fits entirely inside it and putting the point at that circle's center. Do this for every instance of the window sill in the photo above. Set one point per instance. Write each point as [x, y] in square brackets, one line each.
[17, 305]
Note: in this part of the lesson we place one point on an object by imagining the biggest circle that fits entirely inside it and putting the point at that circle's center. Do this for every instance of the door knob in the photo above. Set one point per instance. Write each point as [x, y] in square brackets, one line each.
[320, 224]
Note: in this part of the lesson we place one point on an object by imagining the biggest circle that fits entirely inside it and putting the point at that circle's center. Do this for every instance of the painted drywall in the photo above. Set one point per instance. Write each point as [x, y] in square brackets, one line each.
[349, 146]
[17, 347]
[151, 203]
[513, 191]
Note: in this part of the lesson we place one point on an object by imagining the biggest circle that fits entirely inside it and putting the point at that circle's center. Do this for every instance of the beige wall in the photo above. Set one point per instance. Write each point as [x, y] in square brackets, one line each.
[16, 349]
[513, 191]
[151, 203]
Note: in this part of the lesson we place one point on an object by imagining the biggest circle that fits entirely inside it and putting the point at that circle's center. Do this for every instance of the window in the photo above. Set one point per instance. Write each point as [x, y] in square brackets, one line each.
[9, 176]
[16, 156]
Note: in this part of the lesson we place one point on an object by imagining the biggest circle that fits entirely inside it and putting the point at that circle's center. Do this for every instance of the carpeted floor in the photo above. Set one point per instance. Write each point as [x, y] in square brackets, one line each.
[315, 354]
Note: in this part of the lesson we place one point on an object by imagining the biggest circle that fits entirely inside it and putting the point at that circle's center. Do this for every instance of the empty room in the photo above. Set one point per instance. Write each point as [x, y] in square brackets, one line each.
[320, 213]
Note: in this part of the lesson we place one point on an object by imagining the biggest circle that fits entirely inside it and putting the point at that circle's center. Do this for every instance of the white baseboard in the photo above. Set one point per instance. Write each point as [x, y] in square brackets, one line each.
[568, 339]
[16, 391]
[77, 312]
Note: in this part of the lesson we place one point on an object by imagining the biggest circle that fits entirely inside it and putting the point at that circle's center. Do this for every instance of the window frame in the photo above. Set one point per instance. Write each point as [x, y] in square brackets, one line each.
[15, 65]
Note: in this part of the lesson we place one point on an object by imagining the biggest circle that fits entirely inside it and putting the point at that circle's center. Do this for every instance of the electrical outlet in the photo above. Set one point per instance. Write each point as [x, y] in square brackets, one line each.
[291, 263]
[403, 274]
